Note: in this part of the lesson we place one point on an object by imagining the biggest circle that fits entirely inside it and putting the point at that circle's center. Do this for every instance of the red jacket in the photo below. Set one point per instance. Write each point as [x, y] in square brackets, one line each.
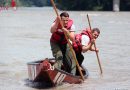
[77, 46]
[13, 4]
[58, 36]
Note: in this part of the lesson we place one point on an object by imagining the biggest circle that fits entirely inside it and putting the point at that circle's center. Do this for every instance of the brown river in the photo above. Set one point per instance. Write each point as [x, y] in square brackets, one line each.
[24, 37]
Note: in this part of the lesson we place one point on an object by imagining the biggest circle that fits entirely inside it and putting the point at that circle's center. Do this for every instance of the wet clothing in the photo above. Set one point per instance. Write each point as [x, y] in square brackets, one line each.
[61, 50]
[58, 36]
[63, 57]
[82, 39]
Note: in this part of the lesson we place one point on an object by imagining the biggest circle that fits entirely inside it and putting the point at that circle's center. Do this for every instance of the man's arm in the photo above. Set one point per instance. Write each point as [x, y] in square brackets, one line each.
[70, 33]
[86, 48]
[54, 25]
[91, 46]
[93, 49]
[86, 43]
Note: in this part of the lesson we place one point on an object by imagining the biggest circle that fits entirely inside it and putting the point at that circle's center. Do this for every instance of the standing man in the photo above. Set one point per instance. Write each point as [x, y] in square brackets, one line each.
[84, 42]
[59, 44]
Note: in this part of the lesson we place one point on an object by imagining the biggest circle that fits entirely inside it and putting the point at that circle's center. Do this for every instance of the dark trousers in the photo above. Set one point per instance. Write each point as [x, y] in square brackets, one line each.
[80, 59]
[64, 57]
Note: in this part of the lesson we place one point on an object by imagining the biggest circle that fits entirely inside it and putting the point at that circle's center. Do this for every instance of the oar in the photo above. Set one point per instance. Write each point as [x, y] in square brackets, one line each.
[95, 48]
[71, 49]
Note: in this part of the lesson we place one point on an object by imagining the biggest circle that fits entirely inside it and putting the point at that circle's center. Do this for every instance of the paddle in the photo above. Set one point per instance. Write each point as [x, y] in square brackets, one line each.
[95, 47]
[71, 49]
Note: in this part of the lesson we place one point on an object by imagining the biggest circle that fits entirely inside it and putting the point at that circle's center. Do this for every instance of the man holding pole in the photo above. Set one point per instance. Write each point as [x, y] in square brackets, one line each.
[58, 42]
[84, 42]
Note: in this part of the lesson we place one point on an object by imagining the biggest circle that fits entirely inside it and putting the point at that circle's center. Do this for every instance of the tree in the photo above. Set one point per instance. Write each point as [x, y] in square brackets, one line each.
[84, 4]
[2, 2]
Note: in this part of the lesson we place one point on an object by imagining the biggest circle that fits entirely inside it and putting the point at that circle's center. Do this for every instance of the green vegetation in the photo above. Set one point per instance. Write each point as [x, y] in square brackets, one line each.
[95, 5]
[26, 3]
[85, 4]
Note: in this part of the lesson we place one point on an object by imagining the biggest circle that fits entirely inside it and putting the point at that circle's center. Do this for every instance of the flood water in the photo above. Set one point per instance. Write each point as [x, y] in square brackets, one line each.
[24, 37]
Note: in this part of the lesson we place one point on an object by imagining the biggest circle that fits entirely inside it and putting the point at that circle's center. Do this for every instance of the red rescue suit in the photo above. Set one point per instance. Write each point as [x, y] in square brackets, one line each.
[13, 4]
[77, 46]
[58, 36]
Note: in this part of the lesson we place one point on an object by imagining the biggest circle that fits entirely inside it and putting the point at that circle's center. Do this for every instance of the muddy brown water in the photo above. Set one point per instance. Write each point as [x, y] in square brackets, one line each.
[24, 37]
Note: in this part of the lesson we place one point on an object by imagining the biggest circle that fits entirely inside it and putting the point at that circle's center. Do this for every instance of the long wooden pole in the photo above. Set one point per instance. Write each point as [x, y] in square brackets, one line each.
[95, 48]
[71, 49]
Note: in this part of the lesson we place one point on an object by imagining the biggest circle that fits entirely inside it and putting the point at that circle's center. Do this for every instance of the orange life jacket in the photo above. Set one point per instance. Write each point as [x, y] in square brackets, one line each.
[58, 36]
[77, 46]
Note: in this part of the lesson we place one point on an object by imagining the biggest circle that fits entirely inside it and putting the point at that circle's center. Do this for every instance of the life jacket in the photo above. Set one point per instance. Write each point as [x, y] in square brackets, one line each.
[77, 46]
[58, 36]
[13, 3]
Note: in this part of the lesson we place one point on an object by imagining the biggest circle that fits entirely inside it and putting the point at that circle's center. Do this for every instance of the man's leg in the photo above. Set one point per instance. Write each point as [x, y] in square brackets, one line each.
[56, 51]
[70, 60]
[80, 59]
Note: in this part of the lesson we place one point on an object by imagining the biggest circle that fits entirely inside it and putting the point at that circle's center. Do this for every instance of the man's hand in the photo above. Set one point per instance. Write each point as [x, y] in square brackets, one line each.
[92, 47]
[97, 50]
[64, 30]
[93, 41]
